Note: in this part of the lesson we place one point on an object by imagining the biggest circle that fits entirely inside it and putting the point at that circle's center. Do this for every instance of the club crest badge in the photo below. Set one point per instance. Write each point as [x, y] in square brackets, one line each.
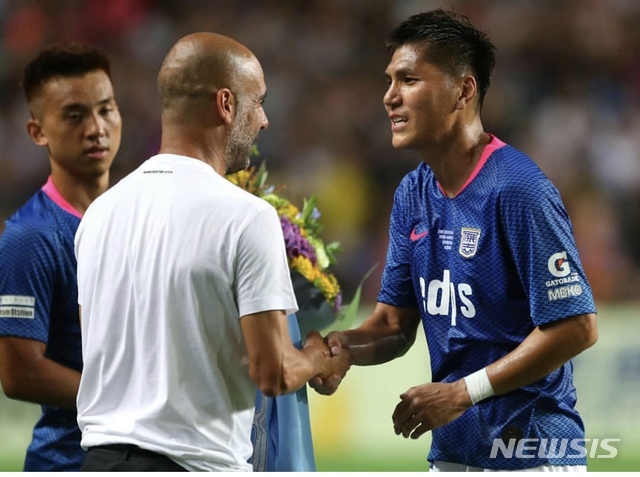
[469, 241]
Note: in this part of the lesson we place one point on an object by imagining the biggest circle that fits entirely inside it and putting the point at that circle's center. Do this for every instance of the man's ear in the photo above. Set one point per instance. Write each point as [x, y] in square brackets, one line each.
[226, 104]
[34, 129]
[468, 91]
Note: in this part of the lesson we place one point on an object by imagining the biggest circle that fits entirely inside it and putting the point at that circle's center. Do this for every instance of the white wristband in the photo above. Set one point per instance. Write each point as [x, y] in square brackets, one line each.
[478, 386]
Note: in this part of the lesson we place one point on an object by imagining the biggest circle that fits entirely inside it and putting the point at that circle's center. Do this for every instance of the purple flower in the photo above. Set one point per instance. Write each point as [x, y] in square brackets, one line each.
[294, 242]
[338, 302]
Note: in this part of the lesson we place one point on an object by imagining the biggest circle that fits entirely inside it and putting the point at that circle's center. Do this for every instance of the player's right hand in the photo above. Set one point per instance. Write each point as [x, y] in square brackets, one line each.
[337, 342]
[340, 362]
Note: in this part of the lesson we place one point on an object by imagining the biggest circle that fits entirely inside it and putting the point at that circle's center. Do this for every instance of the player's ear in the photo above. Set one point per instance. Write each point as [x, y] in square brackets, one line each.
[37, 135]
[468, 91]
[226, 105]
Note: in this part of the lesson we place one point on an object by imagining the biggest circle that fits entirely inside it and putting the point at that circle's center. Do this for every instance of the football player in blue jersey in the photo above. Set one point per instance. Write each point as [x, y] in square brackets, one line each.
[74, 115]
[481, 252]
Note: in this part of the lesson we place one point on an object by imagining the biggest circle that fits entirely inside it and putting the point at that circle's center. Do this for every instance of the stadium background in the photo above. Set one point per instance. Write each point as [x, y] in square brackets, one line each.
[566, 90]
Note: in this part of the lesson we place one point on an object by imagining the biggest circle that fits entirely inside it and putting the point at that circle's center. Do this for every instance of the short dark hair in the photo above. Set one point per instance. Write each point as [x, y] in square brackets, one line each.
[62, 60]
[449, 40]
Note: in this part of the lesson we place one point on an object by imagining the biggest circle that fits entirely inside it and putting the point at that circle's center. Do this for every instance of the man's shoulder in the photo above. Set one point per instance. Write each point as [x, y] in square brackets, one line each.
[35, 237]
[416, 177]
[34, 219]
[510, 157]
[517, 171]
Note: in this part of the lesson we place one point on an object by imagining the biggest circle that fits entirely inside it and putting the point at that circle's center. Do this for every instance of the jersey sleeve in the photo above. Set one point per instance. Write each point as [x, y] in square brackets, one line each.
[540, 236]
[27, 271]
[397, 285]
[262, 269]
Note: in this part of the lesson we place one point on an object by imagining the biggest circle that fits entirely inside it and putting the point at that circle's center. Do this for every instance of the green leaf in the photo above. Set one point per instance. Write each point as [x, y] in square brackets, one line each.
[307, 208]
[345, 320]
[261, 175]
[332, 248]
[321, 254]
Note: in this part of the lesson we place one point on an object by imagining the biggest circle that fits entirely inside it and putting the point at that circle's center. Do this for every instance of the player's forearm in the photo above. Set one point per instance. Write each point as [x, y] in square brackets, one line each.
[542, 352]
[295, 370]
[370, 347]
[302, 365]
[276, 366]
[385, 335]
[47, 383]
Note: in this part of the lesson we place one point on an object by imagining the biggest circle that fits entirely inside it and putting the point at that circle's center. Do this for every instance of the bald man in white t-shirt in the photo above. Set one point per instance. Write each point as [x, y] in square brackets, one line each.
[184, 284]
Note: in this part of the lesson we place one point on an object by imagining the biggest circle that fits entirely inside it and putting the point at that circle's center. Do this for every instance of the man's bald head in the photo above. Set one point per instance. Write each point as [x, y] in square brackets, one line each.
[212, 90]
[200, 64]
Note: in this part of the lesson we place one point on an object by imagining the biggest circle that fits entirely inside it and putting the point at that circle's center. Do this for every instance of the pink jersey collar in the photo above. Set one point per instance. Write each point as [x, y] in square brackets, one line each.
[489, 149]
[50, 189]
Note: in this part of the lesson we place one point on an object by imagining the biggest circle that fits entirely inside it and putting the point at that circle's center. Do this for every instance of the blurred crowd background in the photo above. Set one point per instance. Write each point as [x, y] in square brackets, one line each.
[566, 90]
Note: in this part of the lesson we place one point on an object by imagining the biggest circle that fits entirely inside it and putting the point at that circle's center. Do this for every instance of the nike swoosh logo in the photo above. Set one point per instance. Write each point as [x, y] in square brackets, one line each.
[417, 236]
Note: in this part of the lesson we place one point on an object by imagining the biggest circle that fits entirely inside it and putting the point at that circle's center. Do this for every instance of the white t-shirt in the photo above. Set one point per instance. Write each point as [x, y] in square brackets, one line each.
[168, 260]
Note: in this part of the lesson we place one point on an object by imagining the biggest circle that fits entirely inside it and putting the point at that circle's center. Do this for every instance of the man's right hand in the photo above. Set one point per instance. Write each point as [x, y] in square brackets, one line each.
[339, 363]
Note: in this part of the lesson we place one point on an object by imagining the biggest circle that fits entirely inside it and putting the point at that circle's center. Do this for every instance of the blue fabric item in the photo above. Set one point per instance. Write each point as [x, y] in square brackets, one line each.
[281, 431]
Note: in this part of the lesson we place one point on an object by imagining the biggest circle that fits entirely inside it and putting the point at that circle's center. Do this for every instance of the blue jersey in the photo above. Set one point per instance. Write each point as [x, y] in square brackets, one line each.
[485, 268]
[39, 301]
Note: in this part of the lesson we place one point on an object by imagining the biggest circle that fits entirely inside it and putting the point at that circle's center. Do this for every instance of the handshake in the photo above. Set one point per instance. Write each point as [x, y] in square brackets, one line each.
[420, 409]
[334, 359]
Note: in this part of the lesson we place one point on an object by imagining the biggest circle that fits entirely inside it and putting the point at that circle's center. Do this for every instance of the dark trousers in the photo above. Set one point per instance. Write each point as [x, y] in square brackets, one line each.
[126, 458]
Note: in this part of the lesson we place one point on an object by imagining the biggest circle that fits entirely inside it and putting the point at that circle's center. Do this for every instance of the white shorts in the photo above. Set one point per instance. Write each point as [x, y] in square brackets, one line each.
[442, 466]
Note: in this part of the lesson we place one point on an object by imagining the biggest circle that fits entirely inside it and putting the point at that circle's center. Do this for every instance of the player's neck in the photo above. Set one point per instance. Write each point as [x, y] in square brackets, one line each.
[79, 193]
[454, 161]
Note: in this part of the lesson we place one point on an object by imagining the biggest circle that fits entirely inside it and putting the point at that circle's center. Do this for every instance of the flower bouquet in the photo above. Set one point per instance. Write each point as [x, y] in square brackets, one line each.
[310, 259]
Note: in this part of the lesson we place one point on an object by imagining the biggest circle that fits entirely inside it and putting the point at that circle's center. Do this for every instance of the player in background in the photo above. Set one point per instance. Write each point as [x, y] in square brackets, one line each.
[74, 116]
[480, 251]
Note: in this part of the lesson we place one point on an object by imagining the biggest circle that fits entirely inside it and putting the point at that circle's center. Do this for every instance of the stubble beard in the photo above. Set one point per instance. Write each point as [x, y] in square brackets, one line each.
[239, 143]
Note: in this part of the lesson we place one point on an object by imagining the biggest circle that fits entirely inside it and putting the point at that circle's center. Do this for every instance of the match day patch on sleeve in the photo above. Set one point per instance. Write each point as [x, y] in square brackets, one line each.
[17, 306]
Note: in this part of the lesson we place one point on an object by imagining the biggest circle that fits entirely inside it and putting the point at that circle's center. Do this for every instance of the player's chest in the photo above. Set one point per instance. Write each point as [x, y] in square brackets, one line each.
[455, 233]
